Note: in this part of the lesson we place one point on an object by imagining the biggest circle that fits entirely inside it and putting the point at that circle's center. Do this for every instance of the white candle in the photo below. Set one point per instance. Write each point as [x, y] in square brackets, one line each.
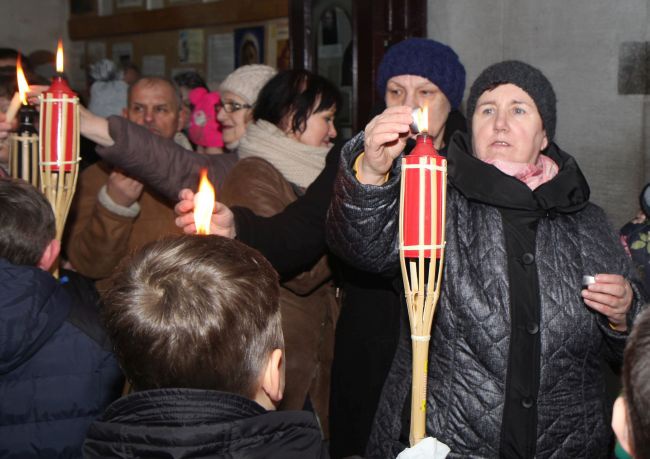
[14, 105]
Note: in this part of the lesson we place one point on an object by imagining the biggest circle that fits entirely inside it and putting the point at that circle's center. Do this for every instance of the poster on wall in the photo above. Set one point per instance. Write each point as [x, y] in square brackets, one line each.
[249, 46]
[190, 46]
[220, 59]
[122, 53]
[279, 51]
[153, 65]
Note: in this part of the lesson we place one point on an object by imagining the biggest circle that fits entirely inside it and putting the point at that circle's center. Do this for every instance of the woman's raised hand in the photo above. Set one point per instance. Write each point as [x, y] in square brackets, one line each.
[611, 296]
[385, 138]
[222, 222]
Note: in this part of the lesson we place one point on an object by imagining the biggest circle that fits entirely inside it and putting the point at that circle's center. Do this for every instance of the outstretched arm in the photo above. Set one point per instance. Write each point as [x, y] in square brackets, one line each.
[160, 163]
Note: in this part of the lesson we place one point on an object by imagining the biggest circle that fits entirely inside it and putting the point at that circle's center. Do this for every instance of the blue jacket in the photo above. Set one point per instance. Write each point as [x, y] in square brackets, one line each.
[56, 371]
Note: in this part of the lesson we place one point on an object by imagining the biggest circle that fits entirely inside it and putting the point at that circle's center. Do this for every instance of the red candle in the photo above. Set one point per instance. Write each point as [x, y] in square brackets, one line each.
[59, 130]
[418, 218]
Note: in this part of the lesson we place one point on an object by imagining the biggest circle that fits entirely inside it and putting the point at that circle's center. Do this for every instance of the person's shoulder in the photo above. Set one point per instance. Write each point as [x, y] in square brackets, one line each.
[256, 168]
[289, 433]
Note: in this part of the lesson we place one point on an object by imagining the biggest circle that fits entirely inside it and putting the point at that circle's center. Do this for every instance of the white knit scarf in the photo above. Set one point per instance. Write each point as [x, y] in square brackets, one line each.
[300, 164]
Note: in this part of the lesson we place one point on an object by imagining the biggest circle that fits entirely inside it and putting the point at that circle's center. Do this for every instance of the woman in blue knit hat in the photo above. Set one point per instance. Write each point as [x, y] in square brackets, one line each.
[516, 345]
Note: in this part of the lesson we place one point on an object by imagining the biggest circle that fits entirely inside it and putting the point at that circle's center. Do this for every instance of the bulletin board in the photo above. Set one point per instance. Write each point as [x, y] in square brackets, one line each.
[213, 50]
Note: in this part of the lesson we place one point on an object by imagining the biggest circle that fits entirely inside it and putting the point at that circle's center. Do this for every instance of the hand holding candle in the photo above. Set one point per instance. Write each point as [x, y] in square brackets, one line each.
[203, 204]
[222, 221]
[385, 139]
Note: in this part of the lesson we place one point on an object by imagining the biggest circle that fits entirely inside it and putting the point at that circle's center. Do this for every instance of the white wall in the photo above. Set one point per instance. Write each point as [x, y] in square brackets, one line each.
[576, 44]
[30, 25]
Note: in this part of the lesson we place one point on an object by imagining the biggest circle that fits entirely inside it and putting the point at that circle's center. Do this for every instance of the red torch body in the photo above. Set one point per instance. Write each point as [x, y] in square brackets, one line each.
[58, 128]
[423, 161]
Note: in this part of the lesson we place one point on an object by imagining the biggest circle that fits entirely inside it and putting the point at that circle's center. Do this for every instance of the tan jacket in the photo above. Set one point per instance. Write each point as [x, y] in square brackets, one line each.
[308, 301]
[97, 239]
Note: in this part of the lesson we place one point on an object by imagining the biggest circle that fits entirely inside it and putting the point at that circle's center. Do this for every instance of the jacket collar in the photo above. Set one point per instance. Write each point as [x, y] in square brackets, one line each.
[182, 407]
[567, 192]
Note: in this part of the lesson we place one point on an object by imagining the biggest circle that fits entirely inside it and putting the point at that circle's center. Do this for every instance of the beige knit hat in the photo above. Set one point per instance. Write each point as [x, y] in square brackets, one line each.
[247, 80]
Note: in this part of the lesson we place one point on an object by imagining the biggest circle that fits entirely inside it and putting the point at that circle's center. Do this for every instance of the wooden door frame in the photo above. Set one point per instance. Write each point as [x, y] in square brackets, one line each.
[376, 24]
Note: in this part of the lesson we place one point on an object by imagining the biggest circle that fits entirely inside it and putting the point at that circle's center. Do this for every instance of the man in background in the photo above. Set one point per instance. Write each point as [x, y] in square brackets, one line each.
[113, 213]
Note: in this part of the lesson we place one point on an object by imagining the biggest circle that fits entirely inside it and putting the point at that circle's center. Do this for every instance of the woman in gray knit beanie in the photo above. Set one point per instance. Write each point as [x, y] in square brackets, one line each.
[514, 367]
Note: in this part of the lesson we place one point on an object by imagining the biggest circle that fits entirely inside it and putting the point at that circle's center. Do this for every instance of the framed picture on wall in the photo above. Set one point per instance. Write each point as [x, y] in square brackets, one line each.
[249, 46]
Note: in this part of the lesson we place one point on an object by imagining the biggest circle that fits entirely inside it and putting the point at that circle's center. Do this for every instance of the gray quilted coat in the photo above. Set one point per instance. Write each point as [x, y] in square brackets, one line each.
[468, 358]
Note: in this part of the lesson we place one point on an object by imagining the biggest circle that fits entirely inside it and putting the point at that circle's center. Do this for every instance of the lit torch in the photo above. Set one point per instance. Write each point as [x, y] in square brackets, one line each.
[203, 204]
[59, 144]
[421, 245]
[23, 151]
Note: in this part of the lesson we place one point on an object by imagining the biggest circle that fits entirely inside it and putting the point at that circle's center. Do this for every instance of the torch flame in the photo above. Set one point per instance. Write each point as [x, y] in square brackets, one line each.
[203, 204]
[23, 87]
[59, 57]
[422, 119]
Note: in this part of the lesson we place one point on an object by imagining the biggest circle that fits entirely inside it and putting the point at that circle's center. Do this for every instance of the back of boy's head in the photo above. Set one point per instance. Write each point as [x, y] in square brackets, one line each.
[27, 222]
[636, 385]
[197, 312]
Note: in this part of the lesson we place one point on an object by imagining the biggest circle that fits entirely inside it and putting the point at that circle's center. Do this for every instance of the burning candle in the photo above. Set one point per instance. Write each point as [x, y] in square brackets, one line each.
[24, 143]
[21, 96]
[59, 126]
[423, 194]
[203, 204]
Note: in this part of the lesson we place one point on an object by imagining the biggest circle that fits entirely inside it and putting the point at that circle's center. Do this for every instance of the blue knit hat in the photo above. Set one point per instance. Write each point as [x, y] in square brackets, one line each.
[429, 59]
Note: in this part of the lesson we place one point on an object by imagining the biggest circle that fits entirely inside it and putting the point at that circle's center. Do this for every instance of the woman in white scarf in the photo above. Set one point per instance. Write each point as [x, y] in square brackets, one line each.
[281, 153]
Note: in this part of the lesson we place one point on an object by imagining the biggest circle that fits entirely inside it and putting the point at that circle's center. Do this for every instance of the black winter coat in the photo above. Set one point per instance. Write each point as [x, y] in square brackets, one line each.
[184, 423]
[471, 336]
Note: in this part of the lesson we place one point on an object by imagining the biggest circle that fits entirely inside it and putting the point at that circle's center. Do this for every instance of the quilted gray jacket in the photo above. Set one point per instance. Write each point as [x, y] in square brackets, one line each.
[468, 356]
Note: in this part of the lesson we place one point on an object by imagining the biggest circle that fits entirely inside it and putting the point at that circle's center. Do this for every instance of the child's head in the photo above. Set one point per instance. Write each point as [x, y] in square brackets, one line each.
[198, 312]
[631, 420]
[27, 225]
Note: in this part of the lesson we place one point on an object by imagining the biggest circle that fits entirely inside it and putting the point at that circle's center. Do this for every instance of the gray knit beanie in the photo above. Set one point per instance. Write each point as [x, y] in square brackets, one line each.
[247, 80]
[528, 78]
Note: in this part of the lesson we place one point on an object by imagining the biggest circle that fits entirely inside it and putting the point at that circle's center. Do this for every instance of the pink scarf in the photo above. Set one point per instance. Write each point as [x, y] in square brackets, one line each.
[532, 175]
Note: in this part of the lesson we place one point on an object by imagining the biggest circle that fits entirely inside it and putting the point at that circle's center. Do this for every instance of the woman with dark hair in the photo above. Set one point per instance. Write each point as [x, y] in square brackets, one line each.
[281, 154]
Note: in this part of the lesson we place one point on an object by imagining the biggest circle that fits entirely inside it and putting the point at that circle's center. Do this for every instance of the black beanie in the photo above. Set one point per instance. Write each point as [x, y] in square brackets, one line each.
[525, 76]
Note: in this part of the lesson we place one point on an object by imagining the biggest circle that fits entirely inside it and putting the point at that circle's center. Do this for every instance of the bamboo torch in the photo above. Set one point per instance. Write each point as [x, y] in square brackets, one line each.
[421, 246]
[59, 144]
[203, 204]
[23, 144]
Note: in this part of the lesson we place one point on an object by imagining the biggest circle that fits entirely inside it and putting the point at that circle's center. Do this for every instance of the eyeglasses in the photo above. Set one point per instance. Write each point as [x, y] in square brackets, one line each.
[231, 107]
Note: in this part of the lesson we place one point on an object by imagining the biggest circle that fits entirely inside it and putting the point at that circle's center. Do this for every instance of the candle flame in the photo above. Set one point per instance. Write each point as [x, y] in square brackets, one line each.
[203, 204]
[23, 87]
[59, 57]
[422, 119]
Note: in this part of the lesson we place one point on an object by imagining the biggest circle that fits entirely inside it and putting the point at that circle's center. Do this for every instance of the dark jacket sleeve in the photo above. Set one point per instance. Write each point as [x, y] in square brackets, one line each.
[605, 254]
[161, 163]
[362, 219]
[294, 239]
